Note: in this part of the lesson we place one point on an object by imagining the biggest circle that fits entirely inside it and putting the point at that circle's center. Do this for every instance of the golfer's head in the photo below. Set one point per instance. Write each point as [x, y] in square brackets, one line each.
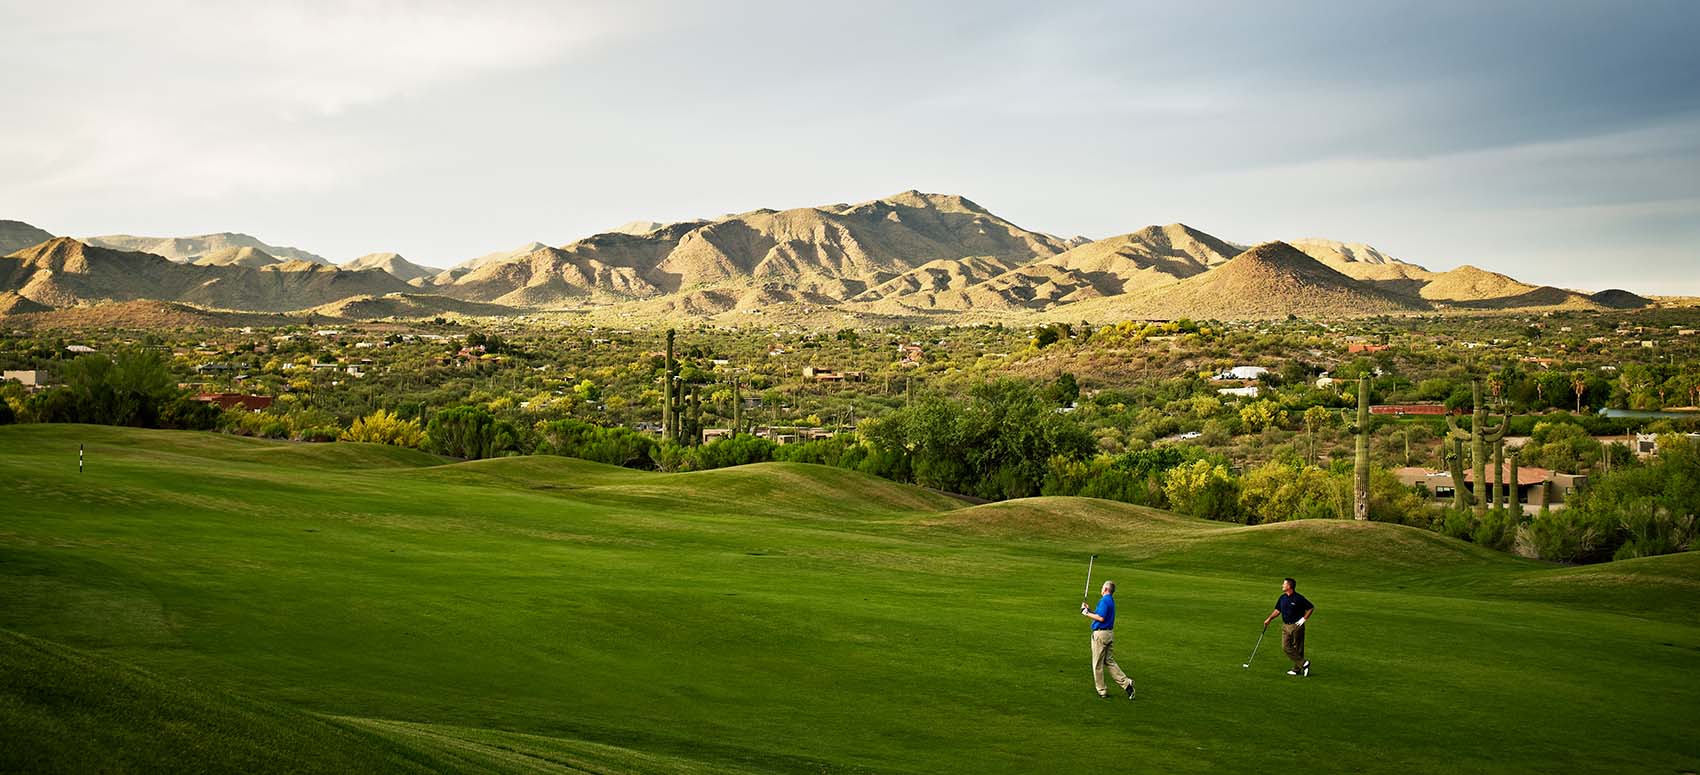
[1289, 586]
[1109, 588]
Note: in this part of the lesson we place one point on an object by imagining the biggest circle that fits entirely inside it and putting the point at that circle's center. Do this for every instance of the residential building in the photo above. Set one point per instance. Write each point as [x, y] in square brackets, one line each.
[829, 375]
[1242, 372]
[29, 378]
[1402, 410]
[1536, 487]
[233, 400]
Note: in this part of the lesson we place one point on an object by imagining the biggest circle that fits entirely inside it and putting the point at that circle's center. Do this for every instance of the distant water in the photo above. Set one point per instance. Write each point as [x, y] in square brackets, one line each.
[1645, 414]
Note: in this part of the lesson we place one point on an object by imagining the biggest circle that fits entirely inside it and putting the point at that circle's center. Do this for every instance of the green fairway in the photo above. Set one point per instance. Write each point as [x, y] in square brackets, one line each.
[203, 602]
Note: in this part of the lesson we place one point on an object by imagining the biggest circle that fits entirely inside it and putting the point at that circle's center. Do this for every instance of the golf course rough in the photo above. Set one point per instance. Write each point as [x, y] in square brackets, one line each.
[198, 602]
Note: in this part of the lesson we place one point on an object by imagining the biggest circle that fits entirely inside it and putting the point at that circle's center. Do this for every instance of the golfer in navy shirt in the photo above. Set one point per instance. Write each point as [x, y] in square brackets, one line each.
[1104, 641]
[1294, 611]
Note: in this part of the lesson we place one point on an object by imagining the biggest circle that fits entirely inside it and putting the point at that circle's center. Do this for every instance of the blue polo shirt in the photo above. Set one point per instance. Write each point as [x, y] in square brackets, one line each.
[1292, 607]
[1106, 609]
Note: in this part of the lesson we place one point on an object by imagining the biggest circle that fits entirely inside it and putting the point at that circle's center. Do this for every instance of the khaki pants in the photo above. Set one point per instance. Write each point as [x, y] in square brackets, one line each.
[1293, 642]
[1103, 644]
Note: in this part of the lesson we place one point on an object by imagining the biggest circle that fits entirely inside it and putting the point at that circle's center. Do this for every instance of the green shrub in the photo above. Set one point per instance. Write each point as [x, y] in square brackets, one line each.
[471, 432]
[1458, 523]
[187, 414]
[588, 441]
[382, 427]
[742, 449]
[1497, 529]
[322, 433]
[844, 451]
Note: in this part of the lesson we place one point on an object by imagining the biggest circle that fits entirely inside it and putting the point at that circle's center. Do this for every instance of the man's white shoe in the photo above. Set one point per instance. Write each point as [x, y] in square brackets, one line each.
[1292, 672]
[1306, 670]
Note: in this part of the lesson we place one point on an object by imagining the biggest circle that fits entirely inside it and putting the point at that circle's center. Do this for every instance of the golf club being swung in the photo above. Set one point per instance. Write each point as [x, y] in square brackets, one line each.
[1254, 648]
[1084, 593]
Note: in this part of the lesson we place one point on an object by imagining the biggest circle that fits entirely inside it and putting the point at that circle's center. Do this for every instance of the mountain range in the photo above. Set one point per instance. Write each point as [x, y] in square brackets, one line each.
[907, 256]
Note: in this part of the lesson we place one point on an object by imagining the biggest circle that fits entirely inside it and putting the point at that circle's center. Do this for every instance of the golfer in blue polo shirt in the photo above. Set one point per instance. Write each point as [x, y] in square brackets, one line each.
[1103, 642]
[1294, 611]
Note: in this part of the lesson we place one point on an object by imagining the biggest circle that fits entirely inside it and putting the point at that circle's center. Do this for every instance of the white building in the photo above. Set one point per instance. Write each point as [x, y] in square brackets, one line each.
[1243, 372]
[29, 378]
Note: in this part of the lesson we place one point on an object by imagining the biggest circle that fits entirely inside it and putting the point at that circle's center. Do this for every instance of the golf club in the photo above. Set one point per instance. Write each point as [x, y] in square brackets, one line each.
[1254, 648]
[1084, 593]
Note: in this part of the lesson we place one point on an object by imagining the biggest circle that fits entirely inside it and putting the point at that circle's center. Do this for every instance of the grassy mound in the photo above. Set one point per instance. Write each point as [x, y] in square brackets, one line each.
[1367, 552]
[63, 710]
[792, 489]
[339, 456]
[542, 472]
[1663, 587]
[1100, 522]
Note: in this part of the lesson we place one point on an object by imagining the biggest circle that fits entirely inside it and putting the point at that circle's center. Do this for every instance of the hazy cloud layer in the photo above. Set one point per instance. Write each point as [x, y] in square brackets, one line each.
[1558, 142]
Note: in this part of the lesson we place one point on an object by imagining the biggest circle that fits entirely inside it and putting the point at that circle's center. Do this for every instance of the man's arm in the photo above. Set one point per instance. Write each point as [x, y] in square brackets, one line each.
[1270, 618]
[1089, 613]
[1306, 617]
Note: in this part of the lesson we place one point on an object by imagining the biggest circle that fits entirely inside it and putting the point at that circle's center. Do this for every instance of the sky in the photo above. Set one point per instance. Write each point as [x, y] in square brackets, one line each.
[1557, 142]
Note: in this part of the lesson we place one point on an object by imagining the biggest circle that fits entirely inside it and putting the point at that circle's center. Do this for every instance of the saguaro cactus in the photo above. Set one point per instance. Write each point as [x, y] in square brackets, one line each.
[1480, 436]
[1499, 472]
[1460, 496]
[1513, 496]
[668, 416]
[696, 414]
[1360, 466]
[737, 409]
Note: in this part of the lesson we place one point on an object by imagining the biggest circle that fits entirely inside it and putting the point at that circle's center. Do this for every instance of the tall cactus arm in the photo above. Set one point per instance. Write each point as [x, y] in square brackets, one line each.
[1498, 431]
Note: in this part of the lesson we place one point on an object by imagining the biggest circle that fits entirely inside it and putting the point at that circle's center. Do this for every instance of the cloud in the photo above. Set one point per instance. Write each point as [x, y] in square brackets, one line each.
[197, 100]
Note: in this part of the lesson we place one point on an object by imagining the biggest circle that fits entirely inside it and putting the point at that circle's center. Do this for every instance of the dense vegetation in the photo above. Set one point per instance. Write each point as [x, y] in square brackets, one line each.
[1132, 412]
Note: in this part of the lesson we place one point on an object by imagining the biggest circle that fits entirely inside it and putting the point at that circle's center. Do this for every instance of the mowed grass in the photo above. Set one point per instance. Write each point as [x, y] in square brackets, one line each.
[225, 603]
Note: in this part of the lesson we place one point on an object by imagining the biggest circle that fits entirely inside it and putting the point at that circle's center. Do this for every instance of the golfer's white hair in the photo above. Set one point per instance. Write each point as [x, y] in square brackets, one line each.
[1111, 585]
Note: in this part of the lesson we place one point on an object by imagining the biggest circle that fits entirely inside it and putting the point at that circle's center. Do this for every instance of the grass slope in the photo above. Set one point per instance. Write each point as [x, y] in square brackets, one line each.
[66, 711]
[532, 614]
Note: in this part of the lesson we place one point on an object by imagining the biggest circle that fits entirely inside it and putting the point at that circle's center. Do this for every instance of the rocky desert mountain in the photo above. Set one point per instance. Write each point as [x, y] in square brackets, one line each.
[63, 272]
[1363, 262]
[1470, 287]
[910, 256]
[13, 304]
[1468, 283]
[406, 305]
[453, 273]
[1271, 280]
[17, 235]
[253, 258]
[401, 268]
[1617, 298]
[188, 249]
[836, 251]
[637, 228]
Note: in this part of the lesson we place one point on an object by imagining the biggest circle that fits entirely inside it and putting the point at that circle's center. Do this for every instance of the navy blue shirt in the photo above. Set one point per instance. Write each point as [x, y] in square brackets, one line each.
[1106, 609]
[1292, 607]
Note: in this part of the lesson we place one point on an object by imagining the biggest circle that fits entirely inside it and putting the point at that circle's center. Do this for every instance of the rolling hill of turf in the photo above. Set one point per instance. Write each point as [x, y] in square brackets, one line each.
[203, 602]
